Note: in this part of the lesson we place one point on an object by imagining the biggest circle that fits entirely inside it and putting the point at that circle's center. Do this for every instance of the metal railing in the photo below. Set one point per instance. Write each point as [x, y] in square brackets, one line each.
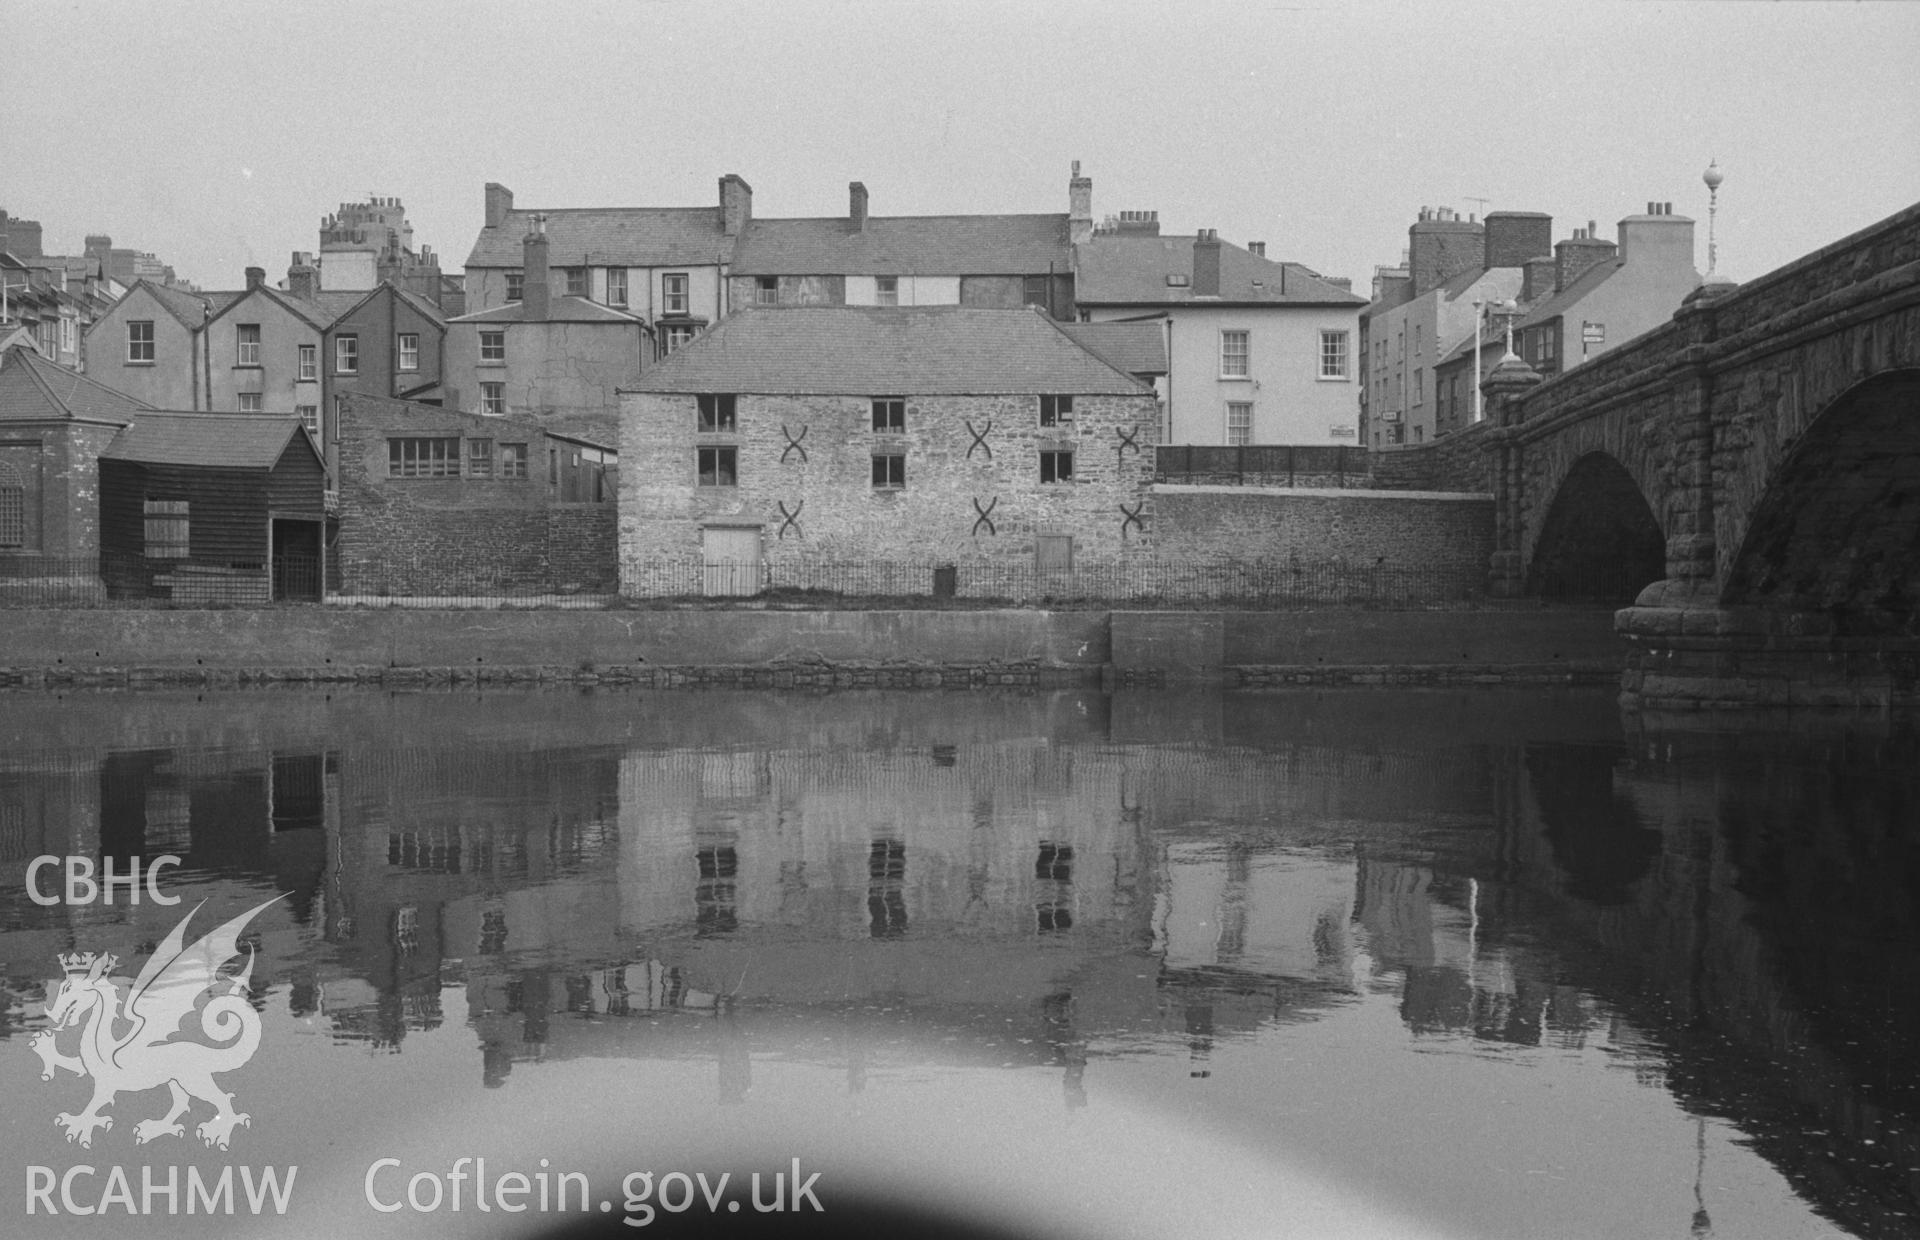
[1307, 465]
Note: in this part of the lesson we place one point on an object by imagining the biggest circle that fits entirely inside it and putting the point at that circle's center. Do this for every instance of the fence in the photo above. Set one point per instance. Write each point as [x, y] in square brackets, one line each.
[1267, 465]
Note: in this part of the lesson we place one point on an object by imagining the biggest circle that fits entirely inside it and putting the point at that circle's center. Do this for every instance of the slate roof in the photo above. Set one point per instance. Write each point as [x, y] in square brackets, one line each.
[191, 309]
[31, 387]
[559, 310]
[1584, 283]
[917, 350]
[610, 236]
[225, 440]
[1137, 348]
[921, 245]
[1118, 269]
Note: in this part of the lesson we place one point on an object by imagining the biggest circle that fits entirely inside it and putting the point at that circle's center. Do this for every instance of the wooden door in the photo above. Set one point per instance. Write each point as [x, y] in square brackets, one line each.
[732, 560]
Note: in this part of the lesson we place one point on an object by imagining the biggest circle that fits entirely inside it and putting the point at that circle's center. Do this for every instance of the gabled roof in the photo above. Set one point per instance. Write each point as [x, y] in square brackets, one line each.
[420, 304]
[191, 309]
[1139, 348]
[868, 350]
[559, 310]
[610, 237]
[923, 245]
[1132, 270]
[33, 388]
[1584, 283]
[225, 440]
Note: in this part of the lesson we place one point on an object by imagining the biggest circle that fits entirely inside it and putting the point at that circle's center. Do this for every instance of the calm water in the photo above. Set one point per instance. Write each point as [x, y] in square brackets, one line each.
[1317, 964]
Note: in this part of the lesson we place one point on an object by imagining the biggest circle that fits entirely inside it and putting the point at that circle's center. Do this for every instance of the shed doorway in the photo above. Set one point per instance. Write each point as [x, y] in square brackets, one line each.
[730, 558]
[296, 560]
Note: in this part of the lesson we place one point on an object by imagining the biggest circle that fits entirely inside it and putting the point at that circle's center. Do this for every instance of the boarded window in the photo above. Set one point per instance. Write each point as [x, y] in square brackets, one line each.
[1053, 552]
[166, 529]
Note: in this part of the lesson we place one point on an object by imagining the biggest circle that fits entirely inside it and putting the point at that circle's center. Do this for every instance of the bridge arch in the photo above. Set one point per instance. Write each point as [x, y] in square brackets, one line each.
[1837, 529]
[1599, 538]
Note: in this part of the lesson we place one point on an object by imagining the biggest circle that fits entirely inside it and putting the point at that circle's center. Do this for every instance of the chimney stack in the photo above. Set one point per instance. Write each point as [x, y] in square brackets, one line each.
[499, 204]
[1537, 284]
[736, 204]
[256, 278]
[1079, 207]
[1206, 263]
[1580, 253]
[536, 292]
[857, 206]
[1513, 237]
[302, 279]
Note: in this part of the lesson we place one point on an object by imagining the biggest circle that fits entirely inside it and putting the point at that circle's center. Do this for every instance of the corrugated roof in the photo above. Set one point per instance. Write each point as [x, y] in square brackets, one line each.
[918, 350]
[1132, 270]
[225, 440]
[559, 310]
[1137, 348]
[31, 387]
[609, 236]
[923, 245]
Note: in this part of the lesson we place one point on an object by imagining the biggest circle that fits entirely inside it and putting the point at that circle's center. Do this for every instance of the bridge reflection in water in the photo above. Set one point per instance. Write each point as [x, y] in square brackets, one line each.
[1069, 884]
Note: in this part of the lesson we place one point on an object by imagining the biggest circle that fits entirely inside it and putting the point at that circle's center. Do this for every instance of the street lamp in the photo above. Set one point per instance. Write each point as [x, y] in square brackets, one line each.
[1503, 305]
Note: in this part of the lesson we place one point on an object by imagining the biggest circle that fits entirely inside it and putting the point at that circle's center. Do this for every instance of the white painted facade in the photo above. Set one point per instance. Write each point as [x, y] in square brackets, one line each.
[911, 290]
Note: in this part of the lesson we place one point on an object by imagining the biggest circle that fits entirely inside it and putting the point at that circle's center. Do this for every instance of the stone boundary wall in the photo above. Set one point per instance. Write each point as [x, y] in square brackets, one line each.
[808, 650]
[1457, 462]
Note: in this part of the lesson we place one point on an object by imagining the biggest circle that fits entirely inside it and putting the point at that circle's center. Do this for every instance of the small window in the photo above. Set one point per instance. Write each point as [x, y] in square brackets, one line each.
[719, 467]
[309, 362]
[616, 286]
[889, 471]
[437, 457]
[409, 350]
[889, 415]
[673, 294]
[513, 460]
[766, 290]
[1419, 386]
[1333, 355]
[479, 458]
[516, 285]
[493, 400]
[1056, 465]
[1056, 410]
[140, 340]
[247, 345]
[1034, 291]
[576, 281]
[493, 346]
[250, 402]
[346, 355]
[167, 536]
[1234, 355]
[886, 290]
[673, 337]
[309, 418]
[1239, 422]
[716, 412]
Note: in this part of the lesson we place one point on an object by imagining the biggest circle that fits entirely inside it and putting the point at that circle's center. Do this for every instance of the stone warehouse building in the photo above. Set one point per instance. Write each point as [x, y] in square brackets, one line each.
[877, 435]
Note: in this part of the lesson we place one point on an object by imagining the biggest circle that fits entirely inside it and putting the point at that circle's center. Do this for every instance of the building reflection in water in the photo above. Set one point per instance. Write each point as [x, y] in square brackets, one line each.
[1039, 881]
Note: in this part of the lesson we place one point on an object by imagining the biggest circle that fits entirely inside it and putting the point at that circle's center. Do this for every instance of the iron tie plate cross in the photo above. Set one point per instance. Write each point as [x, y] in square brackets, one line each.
[984, 518]
[791, 520]
[1126, 441]
[1133, 518]
[980, 441]
[793, 445]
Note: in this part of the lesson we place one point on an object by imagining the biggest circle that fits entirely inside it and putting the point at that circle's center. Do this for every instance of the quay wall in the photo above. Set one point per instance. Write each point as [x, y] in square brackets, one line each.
[808, 648]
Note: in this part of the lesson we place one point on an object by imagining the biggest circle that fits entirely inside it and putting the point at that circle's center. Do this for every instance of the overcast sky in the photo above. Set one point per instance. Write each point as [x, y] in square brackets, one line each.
[217, 134]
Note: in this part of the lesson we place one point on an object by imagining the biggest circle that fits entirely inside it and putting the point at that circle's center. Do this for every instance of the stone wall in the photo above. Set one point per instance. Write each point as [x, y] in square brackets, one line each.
[1456, 462]
[972, 479]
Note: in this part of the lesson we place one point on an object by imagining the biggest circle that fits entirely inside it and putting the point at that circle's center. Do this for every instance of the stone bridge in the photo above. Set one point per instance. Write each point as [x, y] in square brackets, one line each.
[1749, 473]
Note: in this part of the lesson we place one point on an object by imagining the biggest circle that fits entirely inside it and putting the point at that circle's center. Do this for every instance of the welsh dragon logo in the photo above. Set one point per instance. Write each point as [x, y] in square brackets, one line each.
[144, 1041]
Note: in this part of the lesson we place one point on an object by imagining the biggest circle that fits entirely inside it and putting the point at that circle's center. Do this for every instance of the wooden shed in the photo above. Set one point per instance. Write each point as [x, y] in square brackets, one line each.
[213, 508]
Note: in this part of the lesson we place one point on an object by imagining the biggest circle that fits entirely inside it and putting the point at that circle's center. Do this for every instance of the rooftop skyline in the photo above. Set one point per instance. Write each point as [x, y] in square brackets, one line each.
[217, 135]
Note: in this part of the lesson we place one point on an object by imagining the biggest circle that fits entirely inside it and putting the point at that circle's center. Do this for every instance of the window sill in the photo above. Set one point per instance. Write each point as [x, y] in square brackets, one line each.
[1334, 379]
[140, 364]
[1236, 378]
[346, 374]
[249, 366]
